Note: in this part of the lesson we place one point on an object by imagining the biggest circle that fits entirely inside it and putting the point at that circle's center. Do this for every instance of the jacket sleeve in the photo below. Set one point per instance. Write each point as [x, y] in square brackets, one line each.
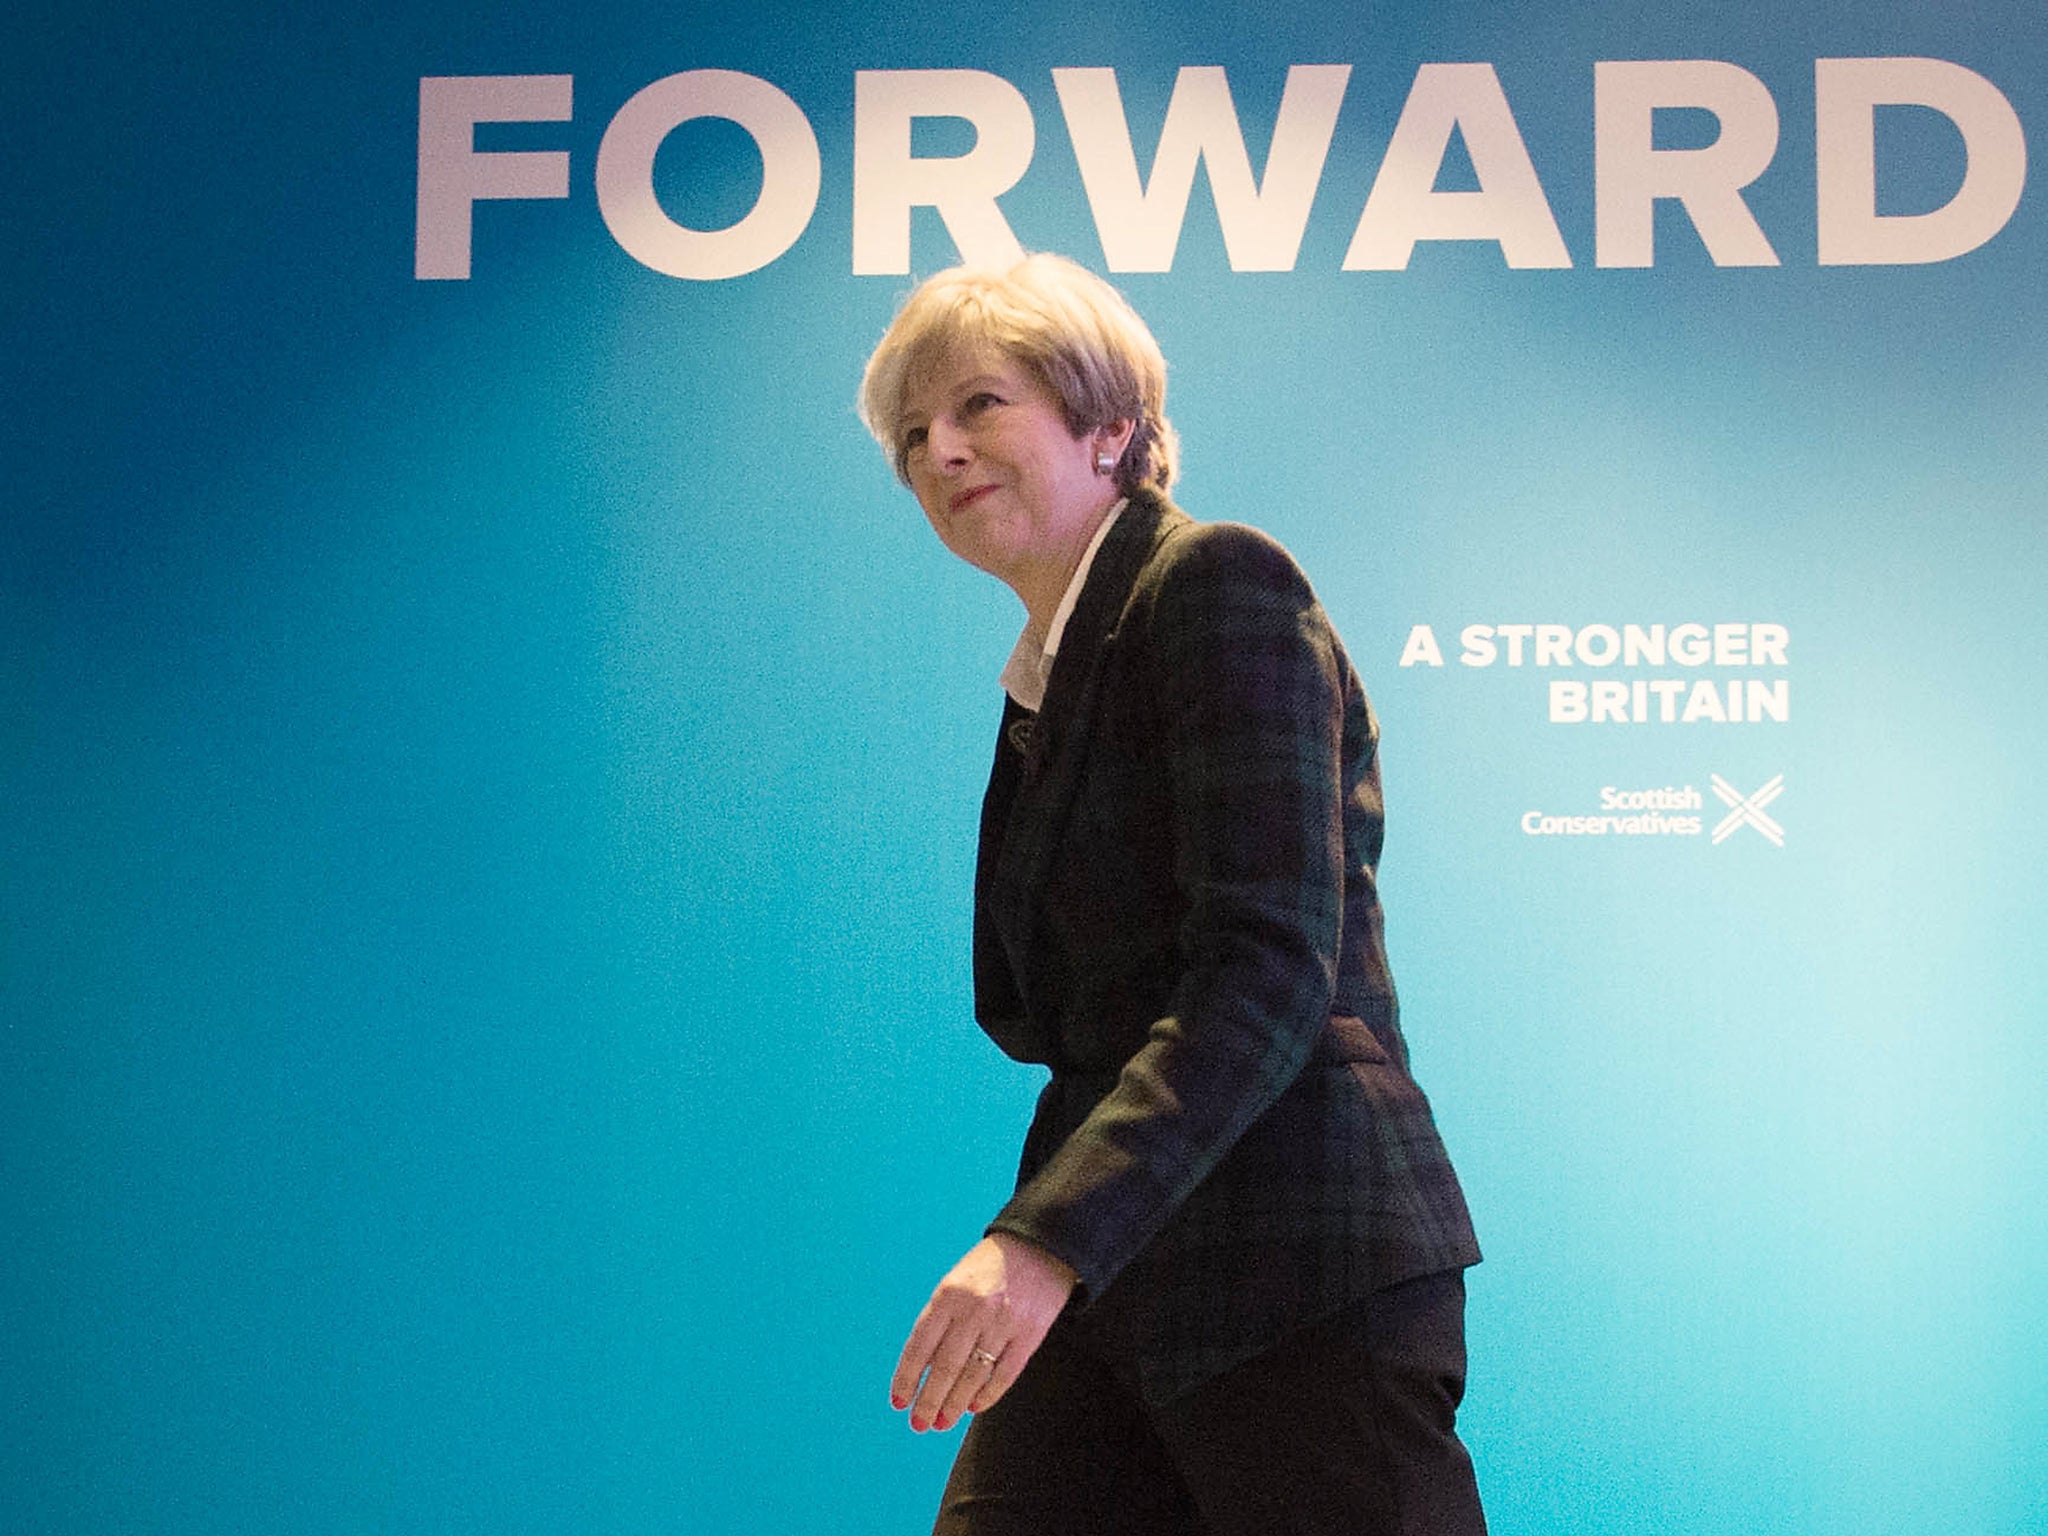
[1251, 687]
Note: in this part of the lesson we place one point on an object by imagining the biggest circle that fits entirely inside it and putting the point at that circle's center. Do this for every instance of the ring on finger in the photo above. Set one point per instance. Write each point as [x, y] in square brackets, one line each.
[984, 1357]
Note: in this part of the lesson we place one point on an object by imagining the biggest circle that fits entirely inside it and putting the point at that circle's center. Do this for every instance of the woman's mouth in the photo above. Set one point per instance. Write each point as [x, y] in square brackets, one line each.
[966, 498]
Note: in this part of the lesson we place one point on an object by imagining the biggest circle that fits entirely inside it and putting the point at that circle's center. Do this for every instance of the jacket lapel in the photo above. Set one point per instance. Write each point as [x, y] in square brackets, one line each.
[1059, 736]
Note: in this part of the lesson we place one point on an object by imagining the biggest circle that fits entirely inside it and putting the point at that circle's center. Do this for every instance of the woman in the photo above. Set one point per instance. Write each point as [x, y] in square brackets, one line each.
[1227, 1295]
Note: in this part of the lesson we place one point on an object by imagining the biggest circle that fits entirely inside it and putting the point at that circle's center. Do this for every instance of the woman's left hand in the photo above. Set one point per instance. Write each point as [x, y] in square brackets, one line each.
[987, 1317]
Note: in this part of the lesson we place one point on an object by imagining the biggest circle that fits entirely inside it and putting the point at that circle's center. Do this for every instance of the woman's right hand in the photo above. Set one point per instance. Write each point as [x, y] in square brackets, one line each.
[983, 1322]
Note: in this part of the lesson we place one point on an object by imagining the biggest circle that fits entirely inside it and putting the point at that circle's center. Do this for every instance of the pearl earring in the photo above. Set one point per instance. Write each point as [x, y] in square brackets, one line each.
[1104, 463]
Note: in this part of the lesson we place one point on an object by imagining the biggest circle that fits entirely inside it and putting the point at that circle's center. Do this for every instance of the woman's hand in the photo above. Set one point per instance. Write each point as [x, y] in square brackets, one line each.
[987, 1317]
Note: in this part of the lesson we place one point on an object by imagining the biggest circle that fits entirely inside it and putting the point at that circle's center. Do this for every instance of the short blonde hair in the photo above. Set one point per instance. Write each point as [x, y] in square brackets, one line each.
[1076, 334]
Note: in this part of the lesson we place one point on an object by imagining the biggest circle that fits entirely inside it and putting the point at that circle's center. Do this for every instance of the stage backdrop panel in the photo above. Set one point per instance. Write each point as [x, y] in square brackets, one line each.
[489, 759]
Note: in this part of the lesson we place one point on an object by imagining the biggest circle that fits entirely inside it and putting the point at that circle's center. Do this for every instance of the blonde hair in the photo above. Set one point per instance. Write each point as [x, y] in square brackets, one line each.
[1076, 334]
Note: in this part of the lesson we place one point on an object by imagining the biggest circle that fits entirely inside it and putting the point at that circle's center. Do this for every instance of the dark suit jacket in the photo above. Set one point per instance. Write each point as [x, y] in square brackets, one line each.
[1175, 894]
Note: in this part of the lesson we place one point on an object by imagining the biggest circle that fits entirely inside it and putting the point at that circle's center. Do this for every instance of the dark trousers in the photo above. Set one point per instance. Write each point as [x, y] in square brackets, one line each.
[1348, 1426]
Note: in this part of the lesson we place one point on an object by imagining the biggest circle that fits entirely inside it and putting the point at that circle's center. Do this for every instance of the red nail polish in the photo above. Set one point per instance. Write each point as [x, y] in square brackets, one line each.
[898, 1402]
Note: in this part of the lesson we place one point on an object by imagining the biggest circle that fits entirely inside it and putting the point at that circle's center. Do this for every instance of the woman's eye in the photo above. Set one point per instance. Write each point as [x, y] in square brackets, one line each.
[913, 440]
[978, 402]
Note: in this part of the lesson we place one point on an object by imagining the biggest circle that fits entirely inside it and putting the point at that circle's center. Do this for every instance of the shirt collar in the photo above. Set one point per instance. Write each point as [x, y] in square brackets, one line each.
[1029, 669]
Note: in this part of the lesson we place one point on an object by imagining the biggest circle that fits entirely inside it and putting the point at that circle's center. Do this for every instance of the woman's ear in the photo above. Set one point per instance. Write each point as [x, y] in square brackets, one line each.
[1111, 441]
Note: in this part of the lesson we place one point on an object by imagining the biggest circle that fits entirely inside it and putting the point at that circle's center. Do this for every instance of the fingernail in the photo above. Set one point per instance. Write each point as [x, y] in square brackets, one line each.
[898, 1402]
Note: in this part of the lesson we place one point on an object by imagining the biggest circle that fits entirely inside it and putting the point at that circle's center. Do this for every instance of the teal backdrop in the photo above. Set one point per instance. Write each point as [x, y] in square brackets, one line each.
[489, 765]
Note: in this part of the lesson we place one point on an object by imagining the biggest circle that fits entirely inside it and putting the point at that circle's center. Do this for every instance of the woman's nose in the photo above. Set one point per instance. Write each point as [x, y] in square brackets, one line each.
[948, 444]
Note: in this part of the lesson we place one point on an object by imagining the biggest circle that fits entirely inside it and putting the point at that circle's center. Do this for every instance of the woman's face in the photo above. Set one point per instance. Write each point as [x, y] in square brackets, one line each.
[1006, 486]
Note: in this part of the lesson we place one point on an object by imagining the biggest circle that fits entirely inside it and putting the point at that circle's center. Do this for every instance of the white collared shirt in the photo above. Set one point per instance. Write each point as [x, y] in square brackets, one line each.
[1029, 668]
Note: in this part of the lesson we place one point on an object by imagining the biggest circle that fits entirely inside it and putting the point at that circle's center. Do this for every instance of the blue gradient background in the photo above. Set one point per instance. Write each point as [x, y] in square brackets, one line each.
[488, 774]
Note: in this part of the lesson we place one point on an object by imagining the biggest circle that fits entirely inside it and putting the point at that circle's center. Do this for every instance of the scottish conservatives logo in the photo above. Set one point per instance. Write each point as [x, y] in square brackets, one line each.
[1748, 810]
[1670, 811]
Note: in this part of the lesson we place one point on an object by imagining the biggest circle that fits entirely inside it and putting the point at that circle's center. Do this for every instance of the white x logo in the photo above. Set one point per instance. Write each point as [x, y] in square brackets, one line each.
[1749, 809]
